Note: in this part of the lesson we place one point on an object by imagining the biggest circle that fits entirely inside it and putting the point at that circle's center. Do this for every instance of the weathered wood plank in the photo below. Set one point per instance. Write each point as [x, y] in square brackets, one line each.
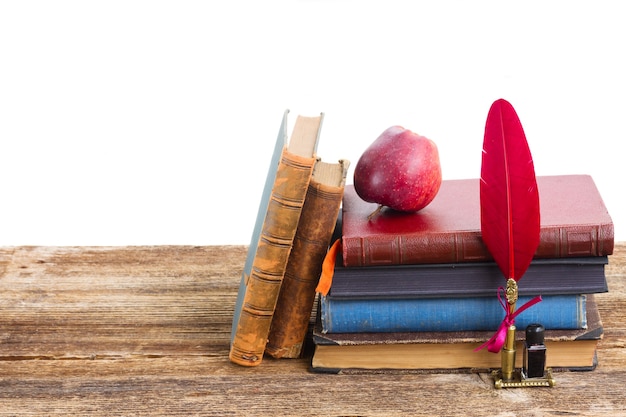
[145, 331]
[70, 302]
[192, 385]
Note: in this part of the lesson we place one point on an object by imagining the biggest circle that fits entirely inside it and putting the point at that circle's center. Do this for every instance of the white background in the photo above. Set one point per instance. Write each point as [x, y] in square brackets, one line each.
[152, 122]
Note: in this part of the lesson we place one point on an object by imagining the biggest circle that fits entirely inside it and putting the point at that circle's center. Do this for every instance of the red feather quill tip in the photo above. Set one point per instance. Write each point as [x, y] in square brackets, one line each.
[509, 199]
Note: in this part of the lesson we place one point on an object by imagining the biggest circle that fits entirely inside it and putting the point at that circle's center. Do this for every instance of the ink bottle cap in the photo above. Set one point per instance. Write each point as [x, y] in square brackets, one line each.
[535, 334]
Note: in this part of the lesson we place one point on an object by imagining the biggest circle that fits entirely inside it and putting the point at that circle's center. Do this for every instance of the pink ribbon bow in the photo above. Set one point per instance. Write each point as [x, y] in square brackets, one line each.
[494, 345]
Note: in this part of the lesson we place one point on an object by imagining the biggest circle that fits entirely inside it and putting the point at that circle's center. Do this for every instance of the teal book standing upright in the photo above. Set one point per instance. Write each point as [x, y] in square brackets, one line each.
[281, 142]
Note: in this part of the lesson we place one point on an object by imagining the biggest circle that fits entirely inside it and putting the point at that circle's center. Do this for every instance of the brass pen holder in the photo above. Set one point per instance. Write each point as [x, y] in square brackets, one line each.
[508, 376]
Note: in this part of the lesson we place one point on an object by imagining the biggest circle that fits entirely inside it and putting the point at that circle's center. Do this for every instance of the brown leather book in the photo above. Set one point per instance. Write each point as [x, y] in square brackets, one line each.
[252, 319]
[449, 351]
[297, 295]
[574, 223]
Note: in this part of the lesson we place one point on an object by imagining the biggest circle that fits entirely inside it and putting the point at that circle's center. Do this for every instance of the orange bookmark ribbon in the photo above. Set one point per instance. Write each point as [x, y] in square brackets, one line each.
[328, 268]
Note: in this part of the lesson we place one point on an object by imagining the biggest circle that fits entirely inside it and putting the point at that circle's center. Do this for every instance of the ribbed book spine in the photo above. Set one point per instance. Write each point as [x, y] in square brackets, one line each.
[295, 302]
[268, 268]
[445, 232]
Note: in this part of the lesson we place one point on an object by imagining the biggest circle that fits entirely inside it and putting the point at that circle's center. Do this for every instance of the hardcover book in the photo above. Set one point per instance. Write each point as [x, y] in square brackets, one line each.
[544, 276]
[315, 228]
[280, 209]
[574, 223]
[387, 315]
[448, 351]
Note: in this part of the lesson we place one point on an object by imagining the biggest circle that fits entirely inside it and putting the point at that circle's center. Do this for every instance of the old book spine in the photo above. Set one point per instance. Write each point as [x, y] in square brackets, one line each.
[576, 241]
[400, 249]
[465, 279]
[275, 243]
[297, 295]
[363, 315]
[467, 246]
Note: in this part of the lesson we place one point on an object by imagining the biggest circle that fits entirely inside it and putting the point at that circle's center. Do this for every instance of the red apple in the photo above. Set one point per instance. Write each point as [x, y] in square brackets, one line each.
[400, 170]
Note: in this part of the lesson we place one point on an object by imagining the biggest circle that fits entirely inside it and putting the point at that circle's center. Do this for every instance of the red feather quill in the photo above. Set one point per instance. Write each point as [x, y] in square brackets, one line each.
[509, 199]
[509, 209]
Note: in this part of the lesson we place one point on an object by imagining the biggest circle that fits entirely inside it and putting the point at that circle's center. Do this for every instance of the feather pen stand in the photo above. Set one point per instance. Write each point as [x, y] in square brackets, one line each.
[510, 221]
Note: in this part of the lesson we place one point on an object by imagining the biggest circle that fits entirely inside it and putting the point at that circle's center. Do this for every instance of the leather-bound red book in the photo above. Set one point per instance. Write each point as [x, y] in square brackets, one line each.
[574, 223]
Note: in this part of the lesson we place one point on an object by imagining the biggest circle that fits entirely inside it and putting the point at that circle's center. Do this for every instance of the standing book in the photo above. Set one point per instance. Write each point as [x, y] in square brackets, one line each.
[297, 294]
[574, 223]
[280, 209]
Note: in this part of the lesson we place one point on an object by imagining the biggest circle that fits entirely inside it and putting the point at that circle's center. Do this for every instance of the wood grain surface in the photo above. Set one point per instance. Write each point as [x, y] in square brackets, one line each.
[146, 330]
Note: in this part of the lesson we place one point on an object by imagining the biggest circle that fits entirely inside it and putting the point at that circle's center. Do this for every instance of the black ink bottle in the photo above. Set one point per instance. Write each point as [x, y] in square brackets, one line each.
[534, 352]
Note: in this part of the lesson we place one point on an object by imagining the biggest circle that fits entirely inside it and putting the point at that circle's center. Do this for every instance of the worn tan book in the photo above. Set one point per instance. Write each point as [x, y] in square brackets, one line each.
[315, 228]
[263, 276]
[449, 351]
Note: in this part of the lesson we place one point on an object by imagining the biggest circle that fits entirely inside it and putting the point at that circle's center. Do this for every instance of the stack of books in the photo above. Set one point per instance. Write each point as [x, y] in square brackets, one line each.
[419, 291]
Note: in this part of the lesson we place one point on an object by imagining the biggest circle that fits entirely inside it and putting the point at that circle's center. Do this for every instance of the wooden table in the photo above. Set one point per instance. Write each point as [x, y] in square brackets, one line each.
[146, 330]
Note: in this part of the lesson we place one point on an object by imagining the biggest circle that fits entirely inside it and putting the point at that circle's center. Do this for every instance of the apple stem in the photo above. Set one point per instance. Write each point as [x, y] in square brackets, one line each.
[375, 212]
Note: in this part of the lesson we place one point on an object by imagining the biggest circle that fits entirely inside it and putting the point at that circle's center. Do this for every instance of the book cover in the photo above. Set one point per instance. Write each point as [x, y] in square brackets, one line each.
[315, 228]
[261, 283]
[281, 142]
[574, 223]
[544, 276]
[448, 351]
[388, 315]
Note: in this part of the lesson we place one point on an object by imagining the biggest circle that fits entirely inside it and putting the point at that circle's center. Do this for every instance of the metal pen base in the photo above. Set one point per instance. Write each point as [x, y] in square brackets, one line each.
[518, 381]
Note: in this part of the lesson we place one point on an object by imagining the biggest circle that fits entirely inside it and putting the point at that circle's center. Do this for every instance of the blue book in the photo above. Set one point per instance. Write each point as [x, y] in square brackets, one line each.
[382, 315]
